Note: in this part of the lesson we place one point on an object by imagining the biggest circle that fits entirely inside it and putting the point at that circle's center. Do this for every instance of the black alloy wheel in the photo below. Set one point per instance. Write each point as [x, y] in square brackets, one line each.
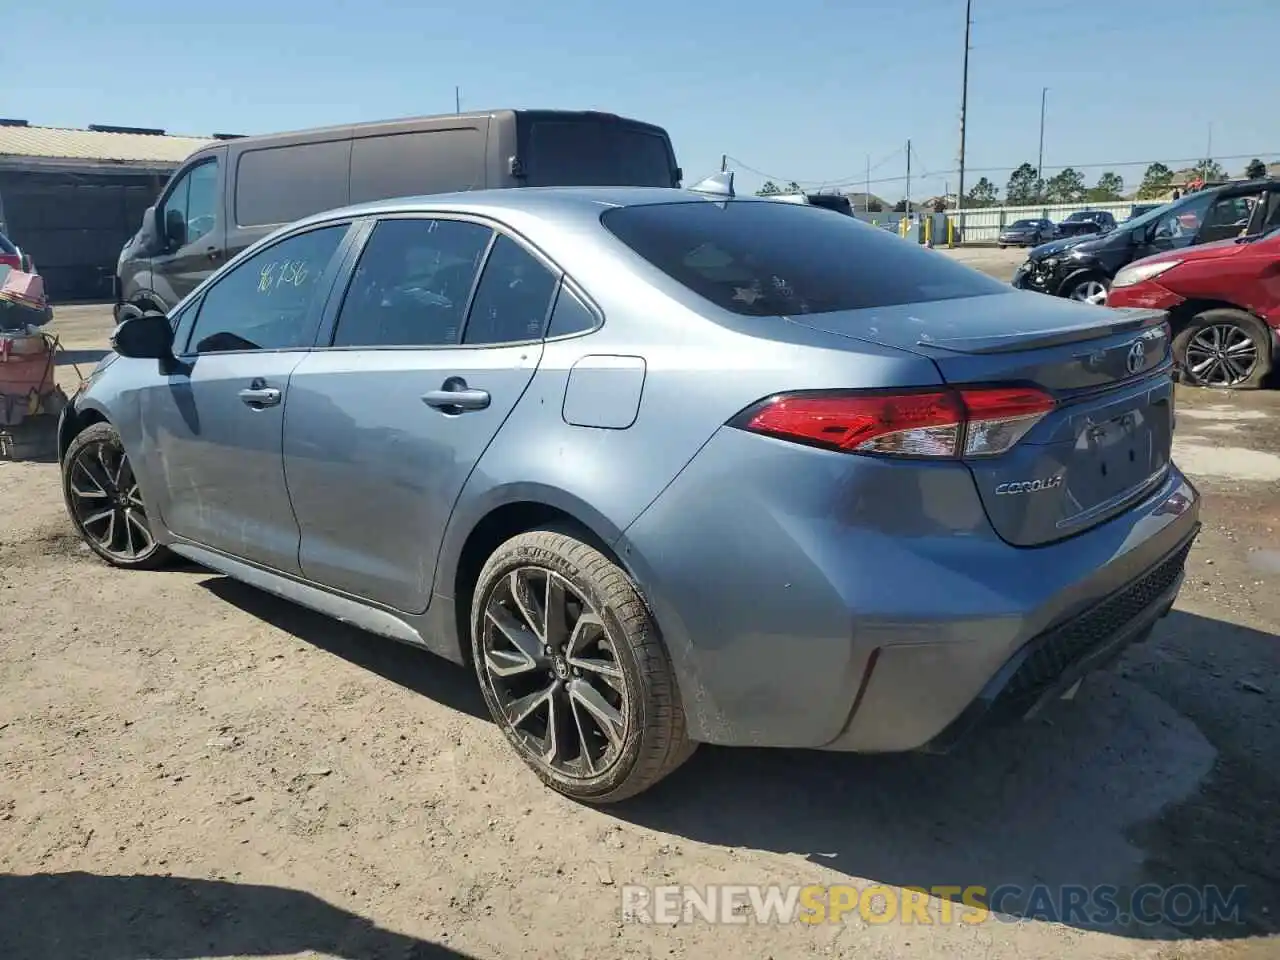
[572, 668]
[105, 502]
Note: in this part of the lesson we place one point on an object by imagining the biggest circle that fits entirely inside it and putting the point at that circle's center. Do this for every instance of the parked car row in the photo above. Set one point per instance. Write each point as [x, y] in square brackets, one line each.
[1211, 259]
[1032, 232]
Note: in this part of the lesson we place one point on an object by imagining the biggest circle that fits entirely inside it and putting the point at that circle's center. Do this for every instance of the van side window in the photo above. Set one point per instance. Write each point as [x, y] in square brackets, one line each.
[570, 315]
[513, 298]
[190, 210]
[270, 301]
[411, 286]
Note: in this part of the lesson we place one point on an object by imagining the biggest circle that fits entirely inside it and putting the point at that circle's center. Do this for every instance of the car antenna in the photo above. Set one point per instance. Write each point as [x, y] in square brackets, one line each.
[718, 185]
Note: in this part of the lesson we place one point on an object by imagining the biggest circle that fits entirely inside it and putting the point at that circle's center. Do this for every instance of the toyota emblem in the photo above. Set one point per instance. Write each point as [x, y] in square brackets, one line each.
[1137, 356]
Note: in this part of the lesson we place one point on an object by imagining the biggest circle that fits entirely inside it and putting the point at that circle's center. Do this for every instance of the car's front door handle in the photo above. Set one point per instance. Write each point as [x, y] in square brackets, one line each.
[456, 397]
[260, 397]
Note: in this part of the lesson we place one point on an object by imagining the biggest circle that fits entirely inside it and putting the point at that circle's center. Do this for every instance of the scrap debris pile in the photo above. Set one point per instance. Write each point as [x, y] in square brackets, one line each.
[27, 384]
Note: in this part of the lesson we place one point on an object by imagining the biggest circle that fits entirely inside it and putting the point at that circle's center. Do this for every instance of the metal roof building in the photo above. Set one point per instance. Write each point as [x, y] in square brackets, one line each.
[71, 198]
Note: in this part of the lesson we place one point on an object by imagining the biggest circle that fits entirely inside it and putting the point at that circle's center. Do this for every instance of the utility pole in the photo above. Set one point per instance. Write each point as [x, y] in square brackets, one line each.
[1040, 157]
[907, 198]
[964, 106]
[866, 197]
[1208, 150]
[457, 99]
[724, 162]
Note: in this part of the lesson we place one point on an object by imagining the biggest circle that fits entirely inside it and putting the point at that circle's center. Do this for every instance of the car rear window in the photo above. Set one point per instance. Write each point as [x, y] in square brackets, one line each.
[584, 153]
[776, 259]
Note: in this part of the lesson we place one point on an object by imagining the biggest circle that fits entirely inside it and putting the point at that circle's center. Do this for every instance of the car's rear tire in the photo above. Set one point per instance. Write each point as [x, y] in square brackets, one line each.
[573, 670]
[1224, 348]
[104, 502]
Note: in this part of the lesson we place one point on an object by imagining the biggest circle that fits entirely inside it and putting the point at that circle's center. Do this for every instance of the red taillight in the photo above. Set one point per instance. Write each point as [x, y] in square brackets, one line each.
[11, 260]
[966, 422]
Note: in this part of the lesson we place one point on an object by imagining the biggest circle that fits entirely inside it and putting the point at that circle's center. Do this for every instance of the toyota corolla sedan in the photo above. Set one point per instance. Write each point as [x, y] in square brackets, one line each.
[663, 467]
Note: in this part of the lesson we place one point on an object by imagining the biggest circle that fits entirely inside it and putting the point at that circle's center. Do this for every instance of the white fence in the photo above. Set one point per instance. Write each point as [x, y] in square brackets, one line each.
[983, 224]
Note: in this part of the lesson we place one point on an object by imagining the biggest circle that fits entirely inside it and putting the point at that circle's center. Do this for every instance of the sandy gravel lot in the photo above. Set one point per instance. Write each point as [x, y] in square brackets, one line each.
[192, 769]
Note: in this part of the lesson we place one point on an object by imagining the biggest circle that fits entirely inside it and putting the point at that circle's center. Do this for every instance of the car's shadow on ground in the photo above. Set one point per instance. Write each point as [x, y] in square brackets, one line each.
[1116, 789]
[414, 669]
[83, 916]
[65, 357]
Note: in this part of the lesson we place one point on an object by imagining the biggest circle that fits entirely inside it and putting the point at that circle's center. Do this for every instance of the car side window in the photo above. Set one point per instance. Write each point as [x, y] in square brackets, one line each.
[190, 210]
[1181, 224]
[513, 298]
[412, 284]
[1228, 217]
[570, 314]
[271, 300]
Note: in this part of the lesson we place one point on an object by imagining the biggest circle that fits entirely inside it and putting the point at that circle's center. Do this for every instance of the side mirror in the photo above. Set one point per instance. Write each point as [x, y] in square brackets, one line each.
[143, 336]
[175, 229]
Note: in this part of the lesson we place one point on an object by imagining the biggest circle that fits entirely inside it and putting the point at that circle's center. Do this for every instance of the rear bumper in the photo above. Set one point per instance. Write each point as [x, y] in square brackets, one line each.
[813, 599]
[1047, 666]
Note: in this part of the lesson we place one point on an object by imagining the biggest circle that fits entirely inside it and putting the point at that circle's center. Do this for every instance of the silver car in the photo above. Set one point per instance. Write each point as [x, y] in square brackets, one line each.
[664, 467]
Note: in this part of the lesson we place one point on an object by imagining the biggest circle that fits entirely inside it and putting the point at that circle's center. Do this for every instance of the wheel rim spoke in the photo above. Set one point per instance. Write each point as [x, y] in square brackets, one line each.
[553, 670]
[524, 652]
[606, 716]
[533, 617]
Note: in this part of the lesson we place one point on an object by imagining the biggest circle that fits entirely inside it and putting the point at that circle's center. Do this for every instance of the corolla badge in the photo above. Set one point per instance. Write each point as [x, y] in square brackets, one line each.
[1029, 486]
[1136, 358]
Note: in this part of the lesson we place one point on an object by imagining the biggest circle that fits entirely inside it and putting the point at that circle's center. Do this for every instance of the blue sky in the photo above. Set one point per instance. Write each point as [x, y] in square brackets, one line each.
[802, 90]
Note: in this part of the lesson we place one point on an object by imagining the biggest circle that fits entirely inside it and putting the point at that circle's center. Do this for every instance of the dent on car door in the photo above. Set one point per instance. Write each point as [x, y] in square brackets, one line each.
[214, 421]
[437, 338]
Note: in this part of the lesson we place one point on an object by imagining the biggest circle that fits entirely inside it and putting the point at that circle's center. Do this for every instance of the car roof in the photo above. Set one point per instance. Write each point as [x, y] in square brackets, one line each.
[540, 202]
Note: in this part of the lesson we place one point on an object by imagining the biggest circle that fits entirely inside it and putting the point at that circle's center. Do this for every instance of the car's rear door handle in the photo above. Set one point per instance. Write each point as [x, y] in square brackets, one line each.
[456, 397]
[260, 397]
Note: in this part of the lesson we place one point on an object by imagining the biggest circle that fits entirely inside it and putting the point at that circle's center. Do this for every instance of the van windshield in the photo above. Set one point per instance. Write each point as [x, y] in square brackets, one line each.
[589, 153]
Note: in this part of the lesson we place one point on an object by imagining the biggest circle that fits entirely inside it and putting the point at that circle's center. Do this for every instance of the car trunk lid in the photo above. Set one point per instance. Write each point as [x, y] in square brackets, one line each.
[1108, 439]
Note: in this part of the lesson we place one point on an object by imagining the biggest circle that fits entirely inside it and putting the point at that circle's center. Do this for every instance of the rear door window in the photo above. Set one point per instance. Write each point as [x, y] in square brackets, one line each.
[412, 284]
[758, 258]
[594, 154]
[513, 299]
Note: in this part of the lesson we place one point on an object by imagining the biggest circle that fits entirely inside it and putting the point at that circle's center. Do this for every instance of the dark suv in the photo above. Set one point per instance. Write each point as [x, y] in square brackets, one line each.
[1082, 268]
[1086, 221]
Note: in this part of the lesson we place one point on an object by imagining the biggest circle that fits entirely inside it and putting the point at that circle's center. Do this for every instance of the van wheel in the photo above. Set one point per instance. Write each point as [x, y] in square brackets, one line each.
[573, 670]
[1224, 348]
[105, 504]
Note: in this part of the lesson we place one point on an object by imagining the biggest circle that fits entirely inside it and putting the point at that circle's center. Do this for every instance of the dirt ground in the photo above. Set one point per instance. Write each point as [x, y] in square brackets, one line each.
[192, 769]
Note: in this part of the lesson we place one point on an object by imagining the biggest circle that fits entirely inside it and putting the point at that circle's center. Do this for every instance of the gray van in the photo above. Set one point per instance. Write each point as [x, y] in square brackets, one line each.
[230, 193]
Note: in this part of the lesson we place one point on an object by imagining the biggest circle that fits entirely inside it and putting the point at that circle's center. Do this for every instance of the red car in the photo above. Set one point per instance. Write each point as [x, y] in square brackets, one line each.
[1224, 306]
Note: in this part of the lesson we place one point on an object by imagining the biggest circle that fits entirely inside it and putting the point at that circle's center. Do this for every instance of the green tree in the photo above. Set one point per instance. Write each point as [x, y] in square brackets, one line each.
[1209, 170]
[768, 190]
[1066, 186]
[874, 206]
[900, 206]
[1156, 181]
[1024, 186]
[1109, 187]
[1256, 169]
[983, 194]
[792, 187]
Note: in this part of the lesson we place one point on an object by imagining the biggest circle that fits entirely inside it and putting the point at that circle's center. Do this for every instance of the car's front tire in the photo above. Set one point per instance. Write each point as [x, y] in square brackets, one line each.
[105, 504]
[1223, 348]
[573, 670]
[1091, 288]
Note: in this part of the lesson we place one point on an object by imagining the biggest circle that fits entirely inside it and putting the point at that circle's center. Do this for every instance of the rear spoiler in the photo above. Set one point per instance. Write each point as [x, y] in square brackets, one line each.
[1112, 322]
